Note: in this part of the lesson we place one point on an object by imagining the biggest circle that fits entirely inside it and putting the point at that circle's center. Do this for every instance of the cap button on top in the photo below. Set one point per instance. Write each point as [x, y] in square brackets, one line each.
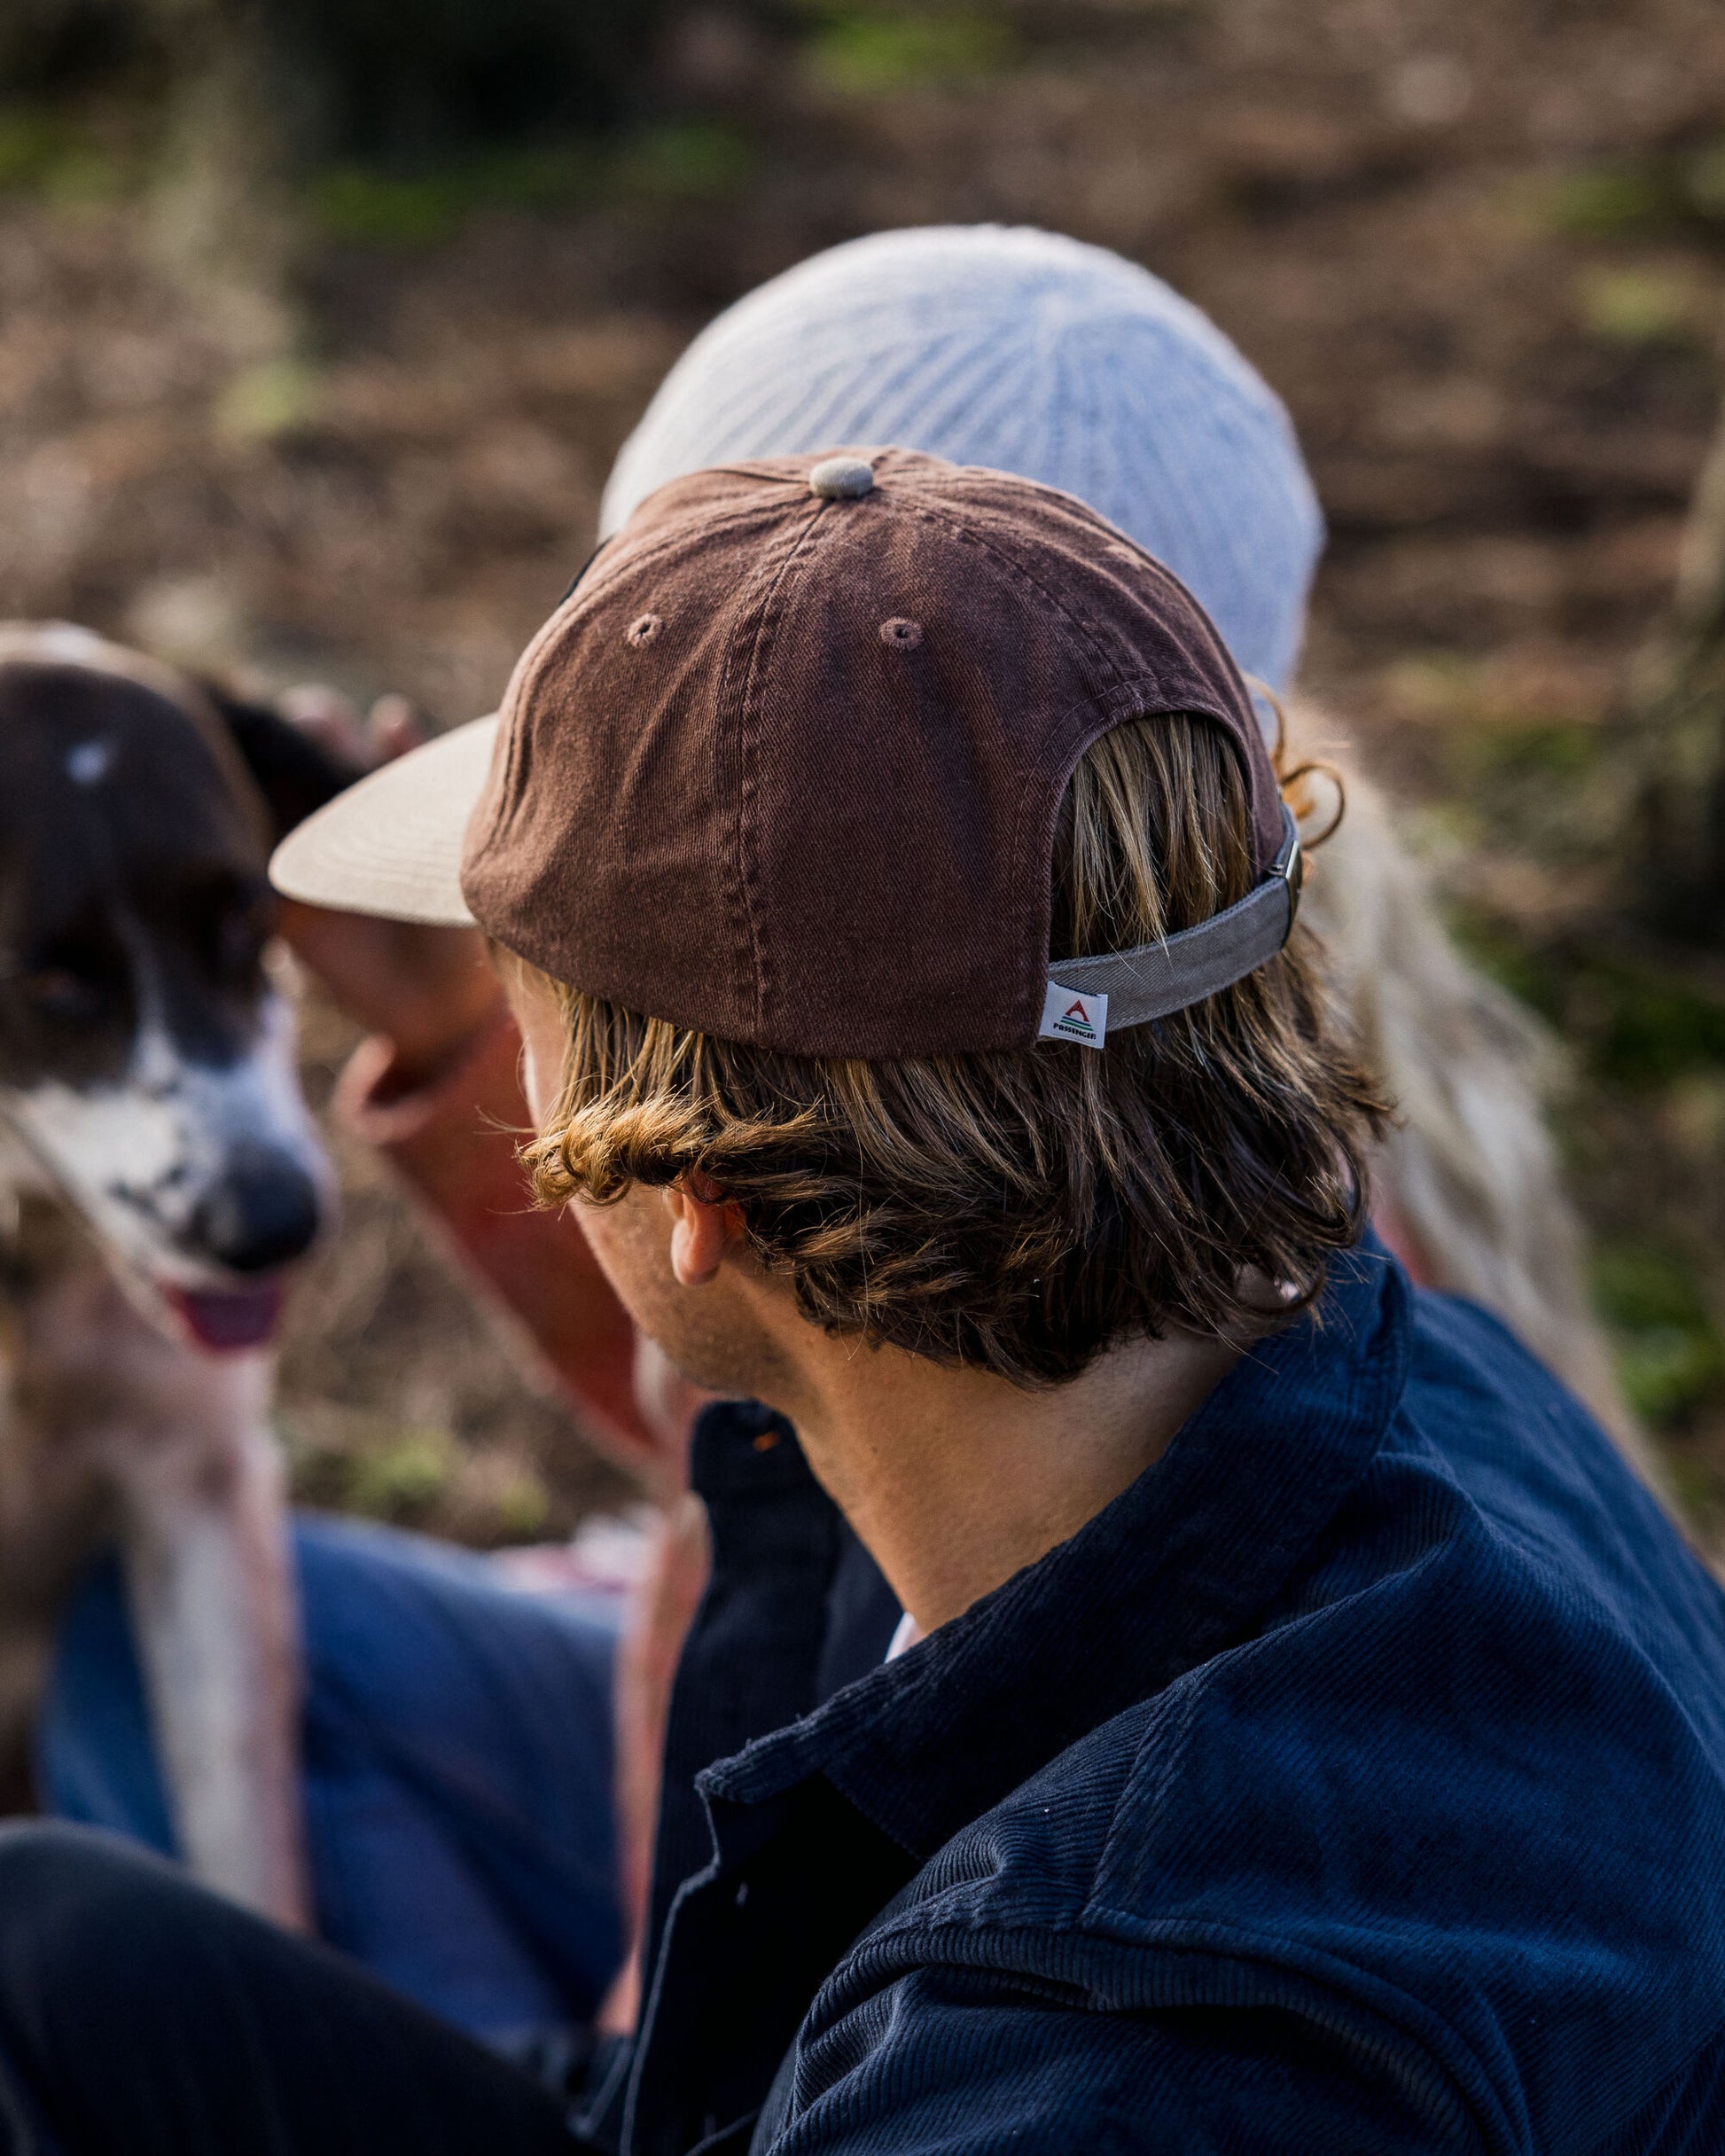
[841, 479]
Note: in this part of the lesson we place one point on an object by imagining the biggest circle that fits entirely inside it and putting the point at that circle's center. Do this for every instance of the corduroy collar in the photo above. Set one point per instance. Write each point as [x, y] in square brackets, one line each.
[1179, 1566]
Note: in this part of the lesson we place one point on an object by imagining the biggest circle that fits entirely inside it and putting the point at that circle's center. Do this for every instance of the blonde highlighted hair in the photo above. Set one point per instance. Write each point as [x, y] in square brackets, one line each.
[1020, 1211]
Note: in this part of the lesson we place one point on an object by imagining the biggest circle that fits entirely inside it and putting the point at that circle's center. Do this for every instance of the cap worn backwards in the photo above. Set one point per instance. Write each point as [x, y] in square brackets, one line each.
[786, 767]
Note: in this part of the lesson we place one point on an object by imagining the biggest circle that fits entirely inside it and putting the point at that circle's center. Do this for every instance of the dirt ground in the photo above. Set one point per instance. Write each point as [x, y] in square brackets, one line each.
[1480, 250]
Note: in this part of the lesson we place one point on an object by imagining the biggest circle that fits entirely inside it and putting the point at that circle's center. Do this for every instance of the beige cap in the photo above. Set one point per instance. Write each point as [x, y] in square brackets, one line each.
[392, 844]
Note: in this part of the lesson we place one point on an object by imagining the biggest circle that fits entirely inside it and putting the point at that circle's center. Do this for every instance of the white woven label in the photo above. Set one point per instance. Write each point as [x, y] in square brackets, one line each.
[1070, 1015]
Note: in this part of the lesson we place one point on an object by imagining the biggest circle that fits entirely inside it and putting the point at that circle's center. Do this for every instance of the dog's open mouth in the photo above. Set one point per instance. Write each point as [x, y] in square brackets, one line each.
[223, 1320]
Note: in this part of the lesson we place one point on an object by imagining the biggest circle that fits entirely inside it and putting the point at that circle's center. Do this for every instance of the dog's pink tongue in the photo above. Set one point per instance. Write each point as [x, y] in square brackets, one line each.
[226, 1320]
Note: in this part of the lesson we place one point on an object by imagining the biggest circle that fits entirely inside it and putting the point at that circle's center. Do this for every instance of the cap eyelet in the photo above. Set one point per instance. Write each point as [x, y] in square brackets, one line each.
[904, 635]
[643, 629]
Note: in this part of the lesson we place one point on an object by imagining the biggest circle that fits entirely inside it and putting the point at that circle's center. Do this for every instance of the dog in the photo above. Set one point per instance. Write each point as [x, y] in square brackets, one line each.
[159, 1173]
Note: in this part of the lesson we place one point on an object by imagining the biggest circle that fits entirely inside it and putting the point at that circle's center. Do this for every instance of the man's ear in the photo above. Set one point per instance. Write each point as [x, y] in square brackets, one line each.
[703, 1229]
[294, 773]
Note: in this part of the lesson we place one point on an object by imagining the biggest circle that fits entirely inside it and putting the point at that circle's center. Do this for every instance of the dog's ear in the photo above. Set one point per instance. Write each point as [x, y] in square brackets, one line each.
[293, 773]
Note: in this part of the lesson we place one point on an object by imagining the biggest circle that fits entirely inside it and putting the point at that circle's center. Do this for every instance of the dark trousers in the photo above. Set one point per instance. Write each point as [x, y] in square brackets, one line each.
[140, 2016]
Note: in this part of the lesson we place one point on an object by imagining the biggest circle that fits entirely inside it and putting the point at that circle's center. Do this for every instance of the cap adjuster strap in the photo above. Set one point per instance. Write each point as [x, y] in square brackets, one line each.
[1087, 998]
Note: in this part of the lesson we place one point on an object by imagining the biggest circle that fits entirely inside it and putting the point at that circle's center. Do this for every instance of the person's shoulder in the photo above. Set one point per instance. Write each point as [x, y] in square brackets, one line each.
[1445, 1780]
[1540, 1490]
[1460, 1350]
[1037, 1984]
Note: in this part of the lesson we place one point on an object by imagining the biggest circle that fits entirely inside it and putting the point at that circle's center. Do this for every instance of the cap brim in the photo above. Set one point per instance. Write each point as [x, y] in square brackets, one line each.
[391, 845]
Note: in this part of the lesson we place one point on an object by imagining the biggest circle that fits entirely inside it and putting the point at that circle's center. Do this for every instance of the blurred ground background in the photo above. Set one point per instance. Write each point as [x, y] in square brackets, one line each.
[318, 375]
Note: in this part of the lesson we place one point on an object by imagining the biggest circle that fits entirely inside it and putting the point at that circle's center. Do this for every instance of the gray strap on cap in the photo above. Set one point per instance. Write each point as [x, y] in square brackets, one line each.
[1087, 998]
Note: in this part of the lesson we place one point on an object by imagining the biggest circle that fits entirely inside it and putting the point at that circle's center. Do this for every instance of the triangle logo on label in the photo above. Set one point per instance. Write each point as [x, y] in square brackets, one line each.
[1068, 1015]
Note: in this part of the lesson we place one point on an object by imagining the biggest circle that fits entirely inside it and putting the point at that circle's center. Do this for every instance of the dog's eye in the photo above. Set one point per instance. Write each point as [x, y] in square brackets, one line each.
[68, 996]
[240, 941]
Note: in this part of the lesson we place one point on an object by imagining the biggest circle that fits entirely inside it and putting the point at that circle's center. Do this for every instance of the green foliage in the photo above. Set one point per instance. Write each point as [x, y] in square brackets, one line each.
[671, 161]
[1704, 180]
[32, 142]
[1670, 1356]
[367, 1464]
[401, 1479]
[1608, 201]
[413, 1475]
[44, 152]
[384, 208]
[1549, 750]
[864, 51]
[1532, 788]
[1526, 972]
[1644, 306]
[1632, 1025]
[1654, 1028]
[522, 1508]
[681, 161]
[268, 402]
[1642, 198]
[1438, 683]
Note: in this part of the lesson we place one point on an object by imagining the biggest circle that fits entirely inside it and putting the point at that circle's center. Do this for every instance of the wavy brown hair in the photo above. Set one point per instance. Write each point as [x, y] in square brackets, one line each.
[1020, 1211]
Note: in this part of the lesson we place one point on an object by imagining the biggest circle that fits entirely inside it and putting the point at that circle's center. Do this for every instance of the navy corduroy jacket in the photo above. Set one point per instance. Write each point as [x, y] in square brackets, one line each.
[1355, 1782]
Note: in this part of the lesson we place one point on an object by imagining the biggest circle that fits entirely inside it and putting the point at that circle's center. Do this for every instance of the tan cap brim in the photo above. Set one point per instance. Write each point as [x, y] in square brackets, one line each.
[391, 845]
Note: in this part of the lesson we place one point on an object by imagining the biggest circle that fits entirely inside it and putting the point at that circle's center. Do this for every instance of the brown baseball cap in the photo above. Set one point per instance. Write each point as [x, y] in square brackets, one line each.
[784, 768]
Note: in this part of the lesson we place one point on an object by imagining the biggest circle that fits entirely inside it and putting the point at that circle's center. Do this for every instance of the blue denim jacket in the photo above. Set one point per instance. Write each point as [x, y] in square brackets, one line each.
[1355, 1782]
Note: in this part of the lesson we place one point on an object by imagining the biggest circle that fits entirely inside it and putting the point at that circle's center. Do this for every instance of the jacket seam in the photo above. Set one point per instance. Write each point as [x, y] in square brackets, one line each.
[928, 1945]
[748, 746]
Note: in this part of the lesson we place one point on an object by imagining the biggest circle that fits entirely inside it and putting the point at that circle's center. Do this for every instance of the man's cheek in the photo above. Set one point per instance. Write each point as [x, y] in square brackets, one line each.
[624, 1245]
[541, 1100]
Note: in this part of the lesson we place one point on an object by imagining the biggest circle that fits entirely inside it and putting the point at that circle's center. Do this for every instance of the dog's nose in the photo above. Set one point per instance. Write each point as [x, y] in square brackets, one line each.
[263, 1213]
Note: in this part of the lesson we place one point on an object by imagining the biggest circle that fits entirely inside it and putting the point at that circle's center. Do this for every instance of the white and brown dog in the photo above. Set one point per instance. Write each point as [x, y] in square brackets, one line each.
[158, 1171]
